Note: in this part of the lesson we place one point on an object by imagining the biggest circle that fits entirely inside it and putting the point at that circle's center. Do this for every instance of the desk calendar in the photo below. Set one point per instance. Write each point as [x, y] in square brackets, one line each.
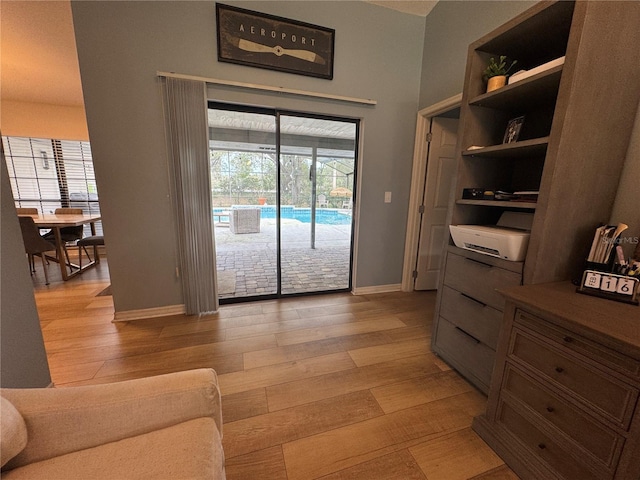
[608, 285]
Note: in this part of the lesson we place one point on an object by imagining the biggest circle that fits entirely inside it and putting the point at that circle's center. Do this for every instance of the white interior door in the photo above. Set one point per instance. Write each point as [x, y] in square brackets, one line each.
[439, 177]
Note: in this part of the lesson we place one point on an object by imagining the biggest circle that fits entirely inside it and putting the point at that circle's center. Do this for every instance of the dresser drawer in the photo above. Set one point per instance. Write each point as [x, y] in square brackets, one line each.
[473, 316]
[601, 354]
[604, 393]
[479, 279]
[594, 437]
[555, 453]
[463, 349]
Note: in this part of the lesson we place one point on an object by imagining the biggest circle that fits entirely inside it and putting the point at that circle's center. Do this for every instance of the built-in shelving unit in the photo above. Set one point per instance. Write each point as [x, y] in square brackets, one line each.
[571, 149]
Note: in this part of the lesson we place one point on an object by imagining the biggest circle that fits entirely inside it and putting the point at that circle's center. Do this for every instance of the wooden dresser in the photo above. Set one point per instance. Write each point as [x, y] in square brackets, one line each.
[563, 401]
[470, 313]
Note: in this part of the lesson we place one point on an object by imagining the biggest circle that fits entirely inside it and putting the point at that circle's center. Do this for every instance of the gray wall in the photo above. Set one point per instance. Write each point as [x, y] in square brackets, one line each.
[449, 29]
[23, 360]
[121, 46]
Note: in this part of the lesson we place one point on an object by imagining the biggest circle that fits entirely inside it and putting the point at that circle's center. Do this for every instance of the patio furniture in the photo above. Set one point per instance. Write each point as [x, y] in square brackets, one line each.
[219, 217]
[244, 220]
[322, 201]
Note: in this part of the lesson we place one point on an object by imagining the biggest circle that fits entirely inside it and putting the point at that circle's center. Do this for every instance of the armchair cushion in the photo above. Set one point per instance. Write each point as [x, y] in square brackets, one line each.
[187, 450]
[13, 431]
[168, 426]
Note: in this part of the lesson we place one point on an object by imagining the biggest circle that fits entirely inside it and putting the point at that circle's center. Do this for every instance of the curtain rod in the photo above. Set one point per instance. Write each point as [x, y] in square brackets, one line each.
[253, 86]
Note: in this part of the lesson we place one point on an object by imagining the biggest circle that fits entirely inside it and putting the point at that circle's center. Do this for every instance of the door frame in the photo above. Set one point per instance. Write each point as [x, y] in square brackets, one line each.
[420, 153]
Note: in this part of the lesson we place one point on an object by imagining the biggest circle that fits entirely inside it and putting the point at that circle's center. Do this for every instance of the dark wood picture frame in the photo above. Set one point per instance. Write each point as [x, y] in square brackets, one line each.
[512, 131]
[260, 40]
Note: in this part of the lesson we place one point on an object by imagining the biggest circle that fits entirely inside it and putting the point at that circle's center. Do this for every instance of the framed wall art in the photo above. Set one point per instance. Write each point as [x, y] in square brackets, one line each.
[259, 40]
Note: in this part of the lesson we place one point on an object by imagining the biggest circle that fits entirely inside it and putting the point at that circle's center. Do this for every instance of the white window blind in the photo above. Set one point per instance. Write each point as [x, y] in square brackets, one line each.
[49, 173]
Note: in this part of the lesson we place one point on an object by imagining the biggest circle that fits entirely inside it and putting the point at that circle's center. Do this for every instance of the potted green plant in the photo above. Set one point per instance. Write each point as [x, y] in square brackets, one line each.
[496, 72]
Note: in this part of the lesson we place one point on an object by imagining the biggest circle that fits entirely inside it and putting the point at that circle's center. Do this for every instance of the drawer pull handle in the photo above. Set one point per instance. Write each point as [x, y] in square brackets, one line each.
[542, 446]
[568, 339]
[559, 369]
[479, 262]
[468, 335]
[551, 409]
[473, 299]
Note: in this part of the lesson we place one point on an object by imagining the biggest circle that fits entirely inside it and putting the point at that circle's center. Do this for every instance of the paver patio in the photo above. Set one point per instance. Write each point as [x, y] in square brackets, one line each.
[250, 259]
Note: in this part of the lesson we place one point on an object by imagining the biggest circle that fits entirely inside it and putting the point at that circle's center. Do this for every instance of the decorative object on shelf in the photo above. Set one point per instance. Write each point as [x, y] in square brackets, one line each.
[259, 40]
[496, 73]
[512, 132]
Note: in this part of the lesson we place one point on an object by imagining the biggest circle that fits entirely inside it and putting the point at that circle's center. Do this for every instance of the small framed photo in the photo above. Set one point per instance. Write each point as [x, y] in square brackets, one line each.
[512, 132]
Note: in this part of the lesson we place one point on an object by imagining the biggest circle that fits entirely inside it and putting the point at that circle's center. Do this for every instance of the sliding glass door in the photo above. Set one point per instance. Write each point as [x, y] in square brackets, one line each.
[282, 191]
[316, 191]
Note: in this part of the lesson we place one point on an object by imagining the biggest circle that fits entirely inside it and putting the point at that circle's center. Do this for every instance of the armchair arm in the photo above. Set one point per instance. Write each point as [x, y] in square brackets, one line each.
[63, 420]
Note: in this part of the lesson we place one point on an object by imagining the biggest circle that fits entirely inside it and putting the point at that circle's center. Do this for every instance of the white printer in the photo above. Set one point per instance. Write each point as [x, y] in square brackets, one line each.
[508, 239]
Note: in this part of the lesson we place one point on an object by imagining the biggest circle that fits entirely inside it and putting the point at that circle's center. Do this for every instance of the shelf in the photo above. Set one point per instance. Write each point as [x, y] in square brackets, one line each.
[532, 91]
[526, 148]
[498, 203]
[532, 39]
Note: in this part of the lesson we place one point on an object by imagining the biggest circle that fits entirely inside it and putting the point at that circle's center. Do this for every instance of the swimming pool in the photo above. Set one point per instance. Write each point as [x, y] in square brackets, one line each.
[326, 216]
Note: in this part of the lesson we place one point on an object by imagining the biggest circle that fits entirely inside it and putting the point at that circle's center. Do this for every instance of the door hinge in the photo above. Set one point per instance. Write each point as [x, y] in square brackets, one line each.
[414, 274]
[429, 136]
[421, 209]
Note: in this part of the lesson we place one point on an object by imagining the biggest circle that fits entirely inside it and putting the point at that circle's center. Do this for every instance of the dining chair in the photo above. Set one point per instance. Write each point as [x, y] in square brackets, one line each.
[26, 211]
[91, 241]
[34, 244]
[67, 234]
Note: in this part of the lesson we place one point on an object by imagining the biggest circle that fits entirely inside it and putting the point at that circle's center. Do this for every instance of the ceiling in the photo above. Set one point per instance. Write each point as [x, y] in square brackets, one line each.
[39, 62]
[38, 58]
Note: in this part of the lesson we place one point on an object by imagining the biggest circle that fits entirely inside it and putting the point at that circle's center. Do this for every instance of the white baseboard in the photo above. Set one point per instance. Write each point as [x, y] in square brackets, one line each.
[130, 315]
[396, 287]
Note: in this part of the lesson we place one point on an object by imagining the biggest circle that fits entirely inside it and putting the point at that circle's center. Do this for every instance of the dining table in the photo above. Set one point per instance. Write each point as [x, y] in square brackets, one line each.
[55, 223]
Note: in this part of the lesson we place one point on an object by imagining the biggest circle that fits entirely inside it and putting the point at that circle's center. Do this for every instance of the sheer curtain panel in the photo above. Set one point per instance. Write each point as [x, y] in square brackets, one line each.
[185, 107]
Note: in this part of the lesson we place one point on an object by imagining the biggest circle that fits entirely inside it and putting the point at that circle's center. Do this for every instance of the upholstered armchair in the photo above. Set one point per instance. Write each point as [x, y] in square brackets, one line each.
[168, 426]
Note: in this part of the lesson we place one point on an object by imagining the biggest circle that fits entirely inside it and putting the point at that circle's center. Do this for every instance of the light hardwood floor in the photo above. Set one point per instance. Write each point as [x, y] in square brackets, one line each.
[332, 386]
